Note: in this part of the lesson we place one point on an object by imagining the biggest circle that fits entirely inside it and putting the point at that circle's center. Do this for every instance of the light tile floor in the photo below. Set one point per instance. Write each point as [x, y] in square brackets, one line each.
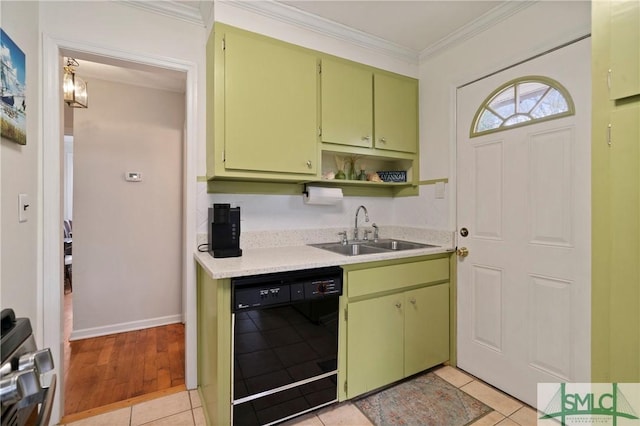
[185, 409]
[179, 409]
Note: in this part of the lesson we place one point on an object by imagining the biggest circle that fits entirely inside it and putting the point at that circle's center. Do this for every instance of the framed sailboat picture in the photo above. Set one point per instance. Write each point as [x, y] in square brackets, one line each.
[12, 94]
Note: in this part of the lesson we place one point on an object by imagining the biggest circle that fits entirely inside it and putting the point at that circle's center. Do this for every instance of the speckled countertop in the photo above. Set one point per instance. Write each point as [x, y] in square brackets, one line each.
[276, 251]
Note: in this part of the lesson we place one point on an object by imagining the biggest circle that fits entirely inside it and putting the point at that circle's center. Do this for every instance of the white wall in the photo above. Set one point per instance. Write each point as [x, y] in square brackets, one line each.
[19, 262]
[67, 180]
[120, 31]
[127, 235]
[535, 29]
[118, 27]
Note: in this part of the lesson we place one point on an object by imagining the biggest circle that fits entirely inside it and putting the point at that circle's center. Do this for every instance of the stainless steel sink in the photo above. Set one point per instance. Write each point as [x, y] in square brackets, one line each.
[398, 245]
[369, 247]
[349, 249]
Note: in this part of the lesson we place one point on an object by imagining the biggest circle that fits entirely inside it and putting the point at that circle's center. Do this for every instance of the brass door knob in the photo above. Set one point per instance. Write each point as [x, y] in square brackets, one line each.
[463, 252]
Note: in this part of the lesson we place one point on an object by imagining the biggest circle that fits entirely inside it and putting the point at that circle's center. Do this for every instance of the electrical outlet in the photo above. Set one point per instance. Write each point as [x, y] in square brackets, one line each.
[23, 207]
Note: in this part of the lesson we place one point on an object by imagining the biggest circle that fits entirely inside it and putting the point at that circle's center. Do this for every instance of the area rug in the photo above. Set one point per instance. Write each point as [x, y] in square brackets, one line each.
[422, 401]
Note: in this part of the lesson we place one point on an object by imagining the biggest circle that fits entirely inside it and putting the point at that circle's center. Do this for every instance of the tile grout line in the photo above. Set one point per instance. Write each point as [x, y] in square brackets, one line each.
[522, 405]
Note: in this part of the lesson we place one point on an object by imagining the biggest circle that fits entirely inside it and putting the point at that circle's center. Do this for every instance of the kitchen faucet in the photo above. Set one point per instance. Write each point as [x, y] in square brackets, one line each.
[356, 237]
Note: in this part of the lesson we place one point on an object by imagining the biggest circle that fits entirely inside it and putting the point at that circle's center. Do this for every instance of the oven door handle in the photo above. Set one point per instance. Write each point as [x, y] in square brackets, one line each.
[45, 410]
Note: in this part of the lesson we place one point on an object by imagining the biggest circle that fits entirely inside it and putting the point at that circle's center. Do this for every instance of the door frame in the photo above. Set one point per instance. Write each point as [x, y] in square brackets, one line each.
[50, 281]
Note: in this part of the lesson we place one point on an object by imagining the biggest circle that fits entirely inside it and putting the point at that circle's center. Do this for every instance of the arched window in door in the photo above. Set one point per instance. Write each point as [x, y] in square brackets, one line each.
[523, 101]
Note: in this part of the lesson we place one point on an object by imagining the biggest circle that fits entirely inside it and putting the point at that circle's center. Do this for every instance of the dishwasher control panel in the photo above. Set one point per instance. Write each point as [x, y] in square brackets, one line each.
[255, 297]
[259, 291]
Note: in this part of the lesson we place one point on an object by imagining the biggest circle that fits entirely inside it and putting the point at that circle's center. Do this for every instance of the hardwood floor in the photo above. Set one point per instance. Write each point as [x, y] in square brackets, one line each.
[117, 367]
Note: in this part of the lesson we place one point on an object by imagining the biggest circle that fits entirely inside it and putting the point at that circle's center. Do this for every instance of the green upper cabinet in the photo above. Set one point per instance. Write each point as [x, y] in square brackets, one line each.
[360, 103]
[264, 97]
[395, 112]
[347, 104]
[624, 49]
[280, 115]
[270, 106]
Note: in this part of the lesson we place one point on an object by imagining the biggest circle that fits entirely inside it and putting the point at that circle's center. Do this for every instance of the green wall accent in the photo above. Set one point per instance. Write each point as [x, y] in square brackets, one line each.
[433, 181]
[360, 189]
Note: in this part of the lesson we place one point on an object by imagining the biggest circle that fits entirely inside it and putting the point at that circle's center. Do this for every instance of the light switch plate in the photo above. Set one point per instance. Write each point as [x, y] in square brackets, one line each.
[23, 207]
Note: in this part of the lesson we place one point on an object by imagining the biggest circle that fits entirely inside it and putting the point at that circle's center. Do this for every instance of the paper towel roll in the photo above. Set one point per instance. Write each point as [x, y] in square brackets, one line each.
[322, 196]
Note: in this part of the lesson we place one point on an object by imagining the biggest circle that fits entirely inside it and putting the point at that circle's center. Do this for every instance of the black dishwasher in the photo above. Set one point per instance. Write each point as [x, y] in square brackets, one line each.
[285, 344]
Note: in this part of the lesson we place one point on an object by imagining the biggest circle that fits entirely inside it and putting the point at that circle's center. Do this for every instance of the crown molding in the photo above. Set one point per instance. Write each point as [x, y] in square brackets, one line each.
[478, 25]
[172, 9]
[300, 18]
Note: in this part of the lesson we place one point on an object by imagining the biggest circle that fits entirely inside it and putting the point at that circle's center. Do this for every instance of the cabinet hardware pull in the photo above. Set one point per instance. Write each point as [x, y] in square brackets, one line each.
[383, 139]
[309, 164]
[609, 79]
[609, 135]
[413, 301]
[366, 138]
[398, 305]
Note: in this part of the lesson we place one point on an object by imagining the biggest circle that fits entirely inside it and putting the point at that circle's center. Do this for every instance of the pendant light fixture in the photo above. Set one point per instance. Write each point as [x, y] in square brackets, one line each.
[75, 88]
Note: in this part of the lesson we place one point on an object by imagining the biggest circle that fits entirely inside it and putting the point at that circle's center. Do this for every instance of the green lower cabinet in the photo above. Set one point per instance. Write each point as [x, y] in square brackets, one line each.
[375, 343]
[394, 336]
[214, 347]
[426, 328]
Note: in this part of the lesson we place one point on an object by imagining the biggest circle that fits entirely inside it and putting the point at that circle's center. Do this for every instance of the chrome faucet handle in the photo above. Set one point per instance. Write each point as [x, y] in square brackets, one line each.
[375, 232]
[366, 235]
[343, 240]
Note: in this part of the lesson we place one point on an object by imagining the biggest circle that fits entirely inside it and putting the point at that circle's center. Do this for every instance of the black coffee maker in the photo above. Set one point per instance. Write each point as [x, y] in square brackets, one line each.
[224, 231]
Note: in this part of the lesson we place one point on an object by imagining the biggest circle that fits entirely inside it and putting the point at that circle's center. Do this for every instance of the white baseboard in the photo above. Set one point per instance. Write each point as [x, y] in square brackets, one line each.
[124, 327]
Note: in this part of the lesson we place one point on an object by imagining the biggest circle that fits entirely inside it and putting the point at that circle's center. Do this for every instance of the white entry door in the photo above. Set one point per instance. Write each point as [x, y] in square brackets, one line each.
[523, 198]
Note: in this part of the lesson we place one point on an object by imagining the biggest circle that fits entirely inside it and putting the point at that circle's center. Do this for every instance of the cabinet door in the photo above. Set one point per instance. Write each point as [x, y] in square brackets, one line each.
[426, 328]
[625, 49]
[374, 343]
[271, 101]
[395, 113]
[347, 104]
[624, 208]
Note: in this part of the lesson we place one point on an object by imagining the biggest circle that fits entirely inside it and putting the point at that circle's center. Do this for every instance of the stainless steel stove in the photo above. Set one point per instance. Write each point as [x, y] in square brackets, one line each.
[27, 380]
